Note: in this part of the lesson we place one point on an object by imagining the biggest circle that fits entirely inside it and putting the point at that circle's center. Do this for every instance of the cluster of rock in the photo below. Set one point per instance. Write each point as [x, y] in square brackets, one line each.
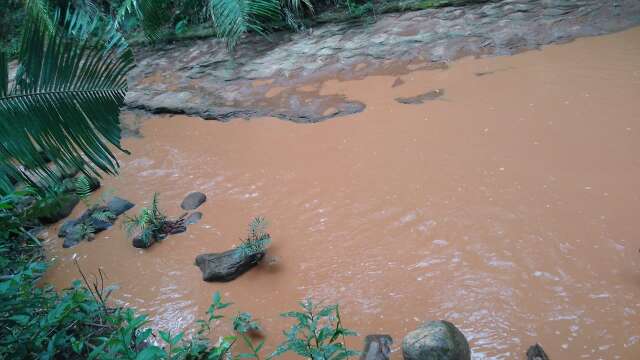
[174, 226]
[433, 340]
[74, 230]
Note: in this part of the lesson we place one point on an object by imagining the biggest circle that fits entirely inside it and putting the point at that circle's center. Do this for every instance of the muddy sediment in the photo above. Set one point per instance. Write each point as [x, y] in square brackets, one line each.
[510, 209]
[200, 78]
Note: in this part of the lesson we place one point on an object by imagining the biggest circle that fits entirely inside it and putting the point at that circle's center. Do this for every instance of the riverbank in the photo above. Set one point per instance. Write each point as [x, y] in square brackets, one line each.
[201, 78]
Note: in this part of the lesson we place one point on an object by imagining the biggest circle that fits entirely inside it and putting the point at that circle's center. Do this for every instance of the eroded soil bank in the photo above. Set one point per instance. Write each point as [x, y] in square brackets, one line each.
[200, 78]
[507, 202]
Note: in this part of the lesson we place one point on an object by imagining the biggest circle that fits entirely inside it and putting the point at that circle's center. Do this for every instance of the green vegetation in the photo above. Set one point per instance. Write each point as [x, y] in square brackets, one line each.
[257, 239]
[69, 86]
[149, 224]
[318, 334]
[80, 322]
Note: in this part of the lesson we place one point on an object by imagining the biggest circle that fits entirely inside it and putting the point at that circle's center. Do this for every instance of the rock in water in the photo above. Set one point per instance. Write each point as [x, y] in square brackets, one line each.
[536, 352]
[66, 227]
[226, 266]
[193, 200]
[57, 209]
[118, 205]
[193, 218]
[436, 340]
[376, 347]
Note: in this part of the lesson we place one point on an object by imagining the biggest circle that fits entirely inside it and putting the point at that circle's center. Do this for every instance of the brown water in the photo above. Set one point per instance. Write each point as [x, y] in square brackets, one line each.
[509, 206]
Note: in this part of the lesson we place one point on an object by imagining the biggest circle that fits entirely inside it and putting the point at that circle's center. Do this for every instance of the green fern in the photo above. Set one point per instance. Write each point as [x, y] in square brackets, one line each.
[82, 186]
[257, 240]
[147, 223]
[103, 215]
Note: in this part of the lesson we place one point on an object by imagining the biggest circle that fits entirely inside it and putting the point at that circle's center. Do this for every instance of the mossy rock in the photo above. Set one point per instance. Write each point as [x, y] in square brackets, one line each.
[54, 209]
[436, 340]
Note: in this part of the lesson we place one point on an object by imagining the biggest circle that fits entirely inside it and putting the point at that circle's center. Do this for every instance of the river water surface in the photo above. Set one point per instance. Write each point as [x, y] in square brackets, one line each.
[509, 206]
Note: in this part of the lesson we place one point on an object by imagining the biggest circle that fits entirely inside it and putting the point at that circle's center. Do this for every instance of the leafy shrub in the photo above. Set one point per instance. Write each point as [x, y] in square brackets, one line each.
[317, 335]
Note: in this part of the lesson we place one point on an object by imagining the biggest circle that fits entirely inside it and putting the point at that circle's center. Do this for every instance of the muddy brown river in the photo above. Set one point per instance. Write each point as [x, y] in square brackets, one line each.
[508, 205]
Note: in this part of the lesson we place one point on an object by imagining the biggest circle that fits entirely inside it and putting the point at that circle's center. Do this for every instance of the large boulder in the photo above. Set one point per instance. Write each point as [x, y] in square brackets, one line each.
[228, 265]
[193, 200]
[66, 227]
[436, 340]
[376, 347]
[118, 205]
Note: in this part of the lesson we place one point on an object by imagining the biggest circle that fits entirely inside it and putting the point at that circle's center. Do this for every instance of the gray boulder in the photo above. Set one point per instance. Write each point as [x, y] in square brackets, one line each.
[226, 266]
[118, 205]
[376, 347]
[193, 200]
[436, 340]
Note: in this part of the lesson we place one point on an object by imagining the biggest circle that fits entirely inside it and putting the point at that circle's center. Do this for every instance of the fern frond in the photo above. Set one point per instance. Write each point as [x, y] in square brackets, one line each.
[103, 215]
[82, 186]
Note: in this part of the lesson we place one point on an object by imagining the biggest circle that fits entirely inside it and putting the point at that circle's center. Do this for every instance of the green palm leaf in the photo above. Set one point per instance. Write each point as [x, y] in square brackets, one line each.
[233, 18]
[153, 14]
[65, 102]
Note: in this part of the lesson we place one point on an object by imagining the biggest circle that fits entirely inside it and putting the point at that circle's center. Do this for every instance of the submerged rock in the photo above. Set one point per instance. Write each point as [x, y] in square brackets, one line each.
[419, 99]
[376, 347]
[193, 200]
[436, 340]
[536, 352]
[193, 218]
[226, 266]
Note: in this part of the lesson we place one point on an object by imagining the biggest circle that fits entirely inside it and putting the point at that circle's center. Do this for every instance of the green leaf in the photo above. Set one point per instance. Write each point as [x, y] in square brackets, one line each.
[233, 18]
[151, 353]
[65, 103]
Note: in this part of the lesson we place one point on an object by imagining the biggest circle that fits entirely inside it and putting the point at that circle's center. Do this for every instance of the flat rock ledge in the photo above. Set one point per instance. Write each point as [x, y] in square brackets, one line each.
[226, 266]
[266, 77]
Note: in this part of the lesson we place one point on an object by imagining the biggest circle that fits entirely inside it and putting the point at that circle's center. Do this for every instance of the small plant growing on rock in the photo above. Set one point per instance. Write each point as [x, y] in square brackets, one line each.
[258, 239]
[151, 224]
[318, 334]
[147, 224]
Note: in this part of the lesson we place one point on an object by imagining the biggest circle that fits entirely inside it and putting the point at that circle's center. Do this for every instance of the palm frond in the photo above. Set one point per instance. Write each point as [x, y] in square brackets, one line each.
[233, 18]
[154, 15]
[65, 102]
[39, 10]
[4, 74]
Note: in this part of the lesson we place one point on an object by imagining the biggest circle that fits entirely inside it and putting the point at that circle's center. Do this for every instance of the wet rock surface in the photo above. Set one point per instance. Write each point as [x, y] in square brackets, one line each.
[419, 99]
[200, 78]
[536, 352]
[436, 340]
[376, 347]
[75, 230]
[226, 266]
[193, 218]
[193, 201]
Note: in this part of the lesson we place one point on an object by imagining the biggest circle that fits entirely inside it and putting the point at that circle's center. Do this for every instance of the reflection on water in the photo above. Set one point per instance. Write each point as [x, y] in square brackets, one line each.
[509, 207]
